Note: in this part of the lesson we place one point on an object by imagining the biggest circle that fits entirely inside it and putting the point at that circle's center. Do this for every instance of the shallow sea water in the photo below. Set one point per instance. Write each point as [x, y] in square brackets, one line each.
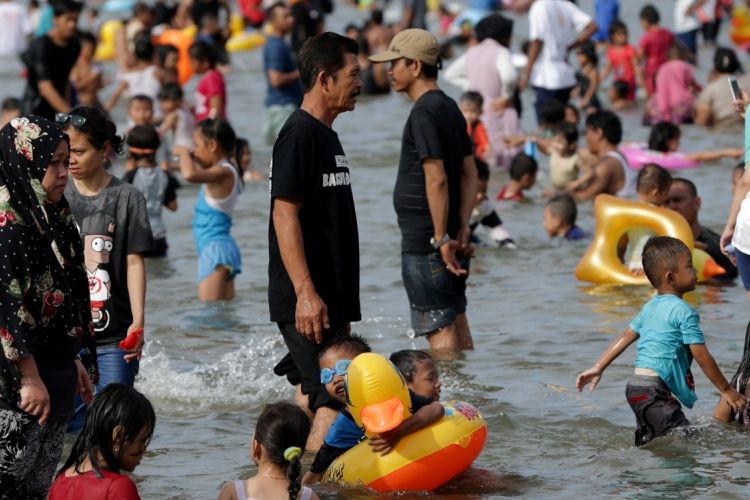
[208, 368]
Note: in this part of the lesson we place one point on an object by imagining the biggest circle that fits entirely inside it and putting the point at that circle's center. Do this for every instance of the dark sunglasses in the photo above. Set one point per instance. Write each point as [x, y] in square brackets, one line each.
[75, 120]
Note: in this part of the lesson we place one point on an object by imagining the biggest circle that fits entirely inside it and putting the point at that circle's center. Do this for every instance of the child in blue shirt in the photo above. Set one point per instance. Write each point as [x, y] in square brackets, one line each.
[344, 432]
[669, 337]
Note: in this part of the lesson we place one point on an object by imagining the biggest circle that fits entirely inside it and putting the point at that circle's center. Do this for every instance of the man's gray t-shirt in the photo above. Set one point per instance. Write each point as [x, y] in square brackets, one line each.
[113, 224]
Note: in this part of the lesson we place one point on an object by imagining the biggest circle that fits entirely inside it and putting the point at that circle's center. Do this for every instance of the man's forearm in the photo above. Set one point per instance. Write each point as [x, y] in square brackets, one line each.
[436, 187]
[291, 242]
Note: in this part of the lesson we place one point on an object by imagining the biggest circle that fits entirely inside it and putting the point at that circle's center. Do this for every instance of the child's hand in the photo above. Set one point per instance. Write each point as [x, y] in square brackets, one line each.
[590, 376]
[737, 401]
[385, 442]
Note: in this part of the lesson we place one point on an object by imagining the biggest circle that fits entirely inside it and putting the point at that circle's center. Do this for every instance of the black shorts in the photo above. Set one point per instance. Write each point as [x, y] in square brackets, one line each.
[656, 410]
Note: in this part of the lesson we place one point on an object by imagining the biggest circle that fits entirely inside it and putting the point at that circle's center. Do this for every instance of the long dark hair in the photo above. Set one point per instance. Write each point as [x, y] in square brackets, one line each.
[281, 427]
[222, 132]
[116, 405]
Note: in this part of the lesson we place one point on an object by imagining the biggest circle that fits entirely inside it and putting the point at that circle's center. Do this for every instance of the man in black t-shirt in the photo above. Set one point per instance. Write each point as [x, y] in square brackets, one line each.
[435, 191]
[684, 199]
[313, 270]
[49, 60]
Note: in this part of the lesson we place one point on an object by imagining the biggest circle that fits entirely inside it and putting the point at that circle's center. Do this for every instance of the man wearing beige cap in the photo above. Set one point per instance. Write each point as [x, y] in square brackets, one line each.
[435, 191]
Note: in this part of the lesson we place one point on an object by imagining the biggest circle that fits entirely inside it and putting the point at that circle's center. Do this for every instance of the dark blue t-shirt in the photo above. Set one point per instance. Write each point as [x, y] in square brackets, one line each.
[278, 56]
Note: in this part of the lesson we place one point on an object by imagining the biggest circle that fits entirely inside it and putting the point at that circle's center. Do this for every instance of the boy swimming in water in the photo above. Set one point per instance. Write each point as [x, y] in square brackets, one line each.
[344, 433]
[418, 368]
[669, 337]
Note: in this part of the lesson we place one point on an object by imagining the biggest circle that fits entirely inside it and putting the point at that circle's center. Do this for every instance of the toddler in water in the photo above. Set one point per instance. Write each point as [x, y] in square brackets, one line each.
[344, 433]
[485, 224]
[674, 92]
[623, 62]
[418, 368]
[618, 95]
[587, 77]
[665, 138]
[219, 258]
[471, 107]
[560, 215]
[523, 170]
[142, 78]
[276, 448]
[178, 126]
[114, 438]
[669, 338]
[158, 187]
[652, 186]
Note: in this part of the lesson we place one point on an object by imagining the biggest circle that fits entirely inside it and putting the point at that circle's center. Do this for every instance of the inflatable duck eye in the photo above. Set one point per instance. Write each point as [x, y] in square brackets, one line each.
[377, 394]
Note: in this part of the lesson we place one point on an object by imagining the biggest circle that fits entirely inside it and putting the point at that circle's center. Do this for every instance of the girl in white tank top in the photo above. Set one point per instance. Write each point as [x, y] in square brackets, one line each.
[276, 448]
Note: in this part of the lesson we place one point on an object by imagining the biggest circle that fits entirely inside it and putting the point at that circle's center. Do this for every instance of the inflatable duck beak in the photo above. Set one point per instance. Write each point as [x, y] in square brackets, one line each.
[711, 269]
[383, 416]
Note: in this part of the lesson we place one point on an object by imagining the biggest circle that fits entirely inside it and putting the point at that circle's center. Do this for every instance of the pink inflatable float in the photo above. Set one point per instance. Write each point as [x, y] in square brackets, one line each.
[639, 155]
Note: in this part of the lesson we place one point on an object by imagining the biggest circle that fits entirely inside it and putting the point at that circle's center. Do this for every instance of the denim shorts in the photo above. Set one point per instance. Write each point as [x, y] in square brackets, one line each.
[435, 294]
[743, 266]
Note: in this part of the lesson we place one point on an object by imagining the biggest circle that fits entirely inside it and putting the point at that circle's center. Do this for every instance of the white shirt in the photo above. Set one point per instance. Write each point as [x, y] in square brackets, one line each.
[15, 27]
[455, 74]
[684, 23]
[556, 23]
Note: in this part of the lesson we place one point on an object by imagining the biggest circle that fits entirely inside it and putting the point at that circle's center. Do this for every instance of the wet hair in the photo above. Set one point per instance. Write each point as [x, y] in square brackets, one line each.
[725, 61]
[483, 169]
[171, 92]
[143, 48]
[687, 183]
[650, 14]
[661, 134]
[564, 206]
[473, 97]
[407, 361]
[143, 137]
[281, 426]
[239, 150]
[588, 50]
[99, 129]
[354, 343]
[325, 52]
[616, 26]
[522, 164]
[163, 51]
[11, 104]
[608, 122]
[115, 405]
[621, 88]
[271, 10]
[653, 177]
[219, 130]
[203, 52]
[141, 98]
[568, 131]
[62, 7]
[429, 71]
[88, 37]
[552, 112]
[660, 255]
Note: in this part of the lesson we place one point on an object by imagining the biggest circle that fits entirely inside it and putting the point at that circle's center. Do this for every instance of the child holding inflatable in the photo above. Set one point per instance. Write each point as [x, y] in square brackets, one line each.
[344, 434]
[418, 368]
[669, 338]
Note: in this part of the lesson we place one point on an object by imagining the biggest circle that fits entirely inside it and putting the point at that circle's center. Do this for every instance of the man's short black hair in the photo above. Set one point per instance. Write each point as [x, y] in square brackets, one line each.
[62, 7]
[689, 184]
[324, 52]
[660, 255]
[564, 206]
[429, 71]
[608, 122]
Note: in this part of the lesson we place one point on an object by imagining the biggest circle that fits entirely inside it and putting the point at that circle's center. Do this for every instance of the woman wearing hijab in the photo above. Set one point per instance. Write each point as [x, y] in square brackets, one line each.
[44, 306]
[495, 82]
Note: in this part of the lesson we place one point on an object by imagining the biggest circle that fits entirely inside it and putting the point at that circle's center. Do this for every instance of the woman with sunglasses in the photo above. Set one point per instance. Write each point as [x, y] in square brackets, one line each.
[44, 306]
[113, 221]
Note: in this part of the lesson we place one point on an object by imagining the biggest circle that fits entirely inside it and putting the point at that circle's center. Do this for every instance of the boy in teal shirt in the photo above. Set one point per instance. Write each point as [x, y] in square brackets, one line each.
[669, 337]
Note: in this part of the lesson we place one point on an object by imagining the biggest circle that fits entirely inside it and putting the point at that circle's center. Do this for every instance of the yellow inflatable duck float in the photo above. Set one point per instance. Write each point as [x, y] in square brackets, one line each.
[378, 400]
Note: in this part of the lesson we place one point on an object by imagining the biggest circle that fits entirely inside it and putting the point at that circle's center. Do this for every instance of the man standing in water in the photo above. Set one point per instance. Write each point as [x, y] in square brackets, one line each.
[435, 191]
[313, 289]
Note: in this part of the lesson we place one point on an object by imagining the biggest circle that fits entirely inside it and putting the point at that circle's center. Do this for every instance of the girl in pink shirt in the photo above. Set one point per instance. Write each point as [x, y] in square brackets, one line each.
[211, 93]
[675, 93]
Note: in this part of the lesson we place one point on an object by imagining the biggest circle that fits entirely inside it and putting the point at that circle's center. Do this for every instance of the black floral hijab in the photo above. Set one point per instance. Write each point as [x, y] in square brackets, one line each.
[44, 296]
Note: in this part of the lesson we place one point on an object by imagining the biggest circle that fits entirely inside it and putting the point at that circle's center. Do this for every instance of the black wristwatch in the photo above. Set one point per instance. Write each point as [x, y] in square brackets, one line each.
[436, 244]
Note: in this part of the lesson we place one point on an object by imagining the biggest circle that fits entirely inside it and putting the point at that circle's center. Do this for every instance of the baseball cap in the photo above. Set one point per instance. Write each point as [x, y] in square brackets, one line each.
[414, 44]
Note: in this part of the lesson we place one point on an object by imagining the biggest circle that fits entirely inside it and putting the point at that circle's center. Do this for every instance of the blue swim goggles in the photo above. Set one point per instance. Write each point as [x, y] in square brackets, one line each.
[326, 374]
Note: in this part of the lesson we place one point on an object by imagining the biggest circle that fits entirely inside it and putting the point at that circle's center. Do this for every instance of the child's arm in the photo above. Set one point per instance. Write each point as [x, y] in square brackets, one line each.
[605, 72]
[192, 173]
[639, 77]
[593, 77]
[215, 105]
[136, 276]
[116, 96]
[427, 415]
[594, 374]
[716, 154]
[707, 363]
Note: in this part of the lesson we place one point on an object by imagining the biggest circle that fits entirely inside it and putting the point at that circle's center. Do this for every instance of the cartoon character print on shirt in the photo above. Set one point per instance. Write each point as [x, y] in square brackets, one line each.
[98, 231]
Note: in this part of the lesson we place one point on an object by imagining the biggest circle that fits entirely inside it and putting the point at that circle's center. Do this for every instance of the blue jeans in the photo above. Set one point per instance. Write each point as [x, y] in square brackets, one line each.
[690, 40]
[743, 266]
[112, 369]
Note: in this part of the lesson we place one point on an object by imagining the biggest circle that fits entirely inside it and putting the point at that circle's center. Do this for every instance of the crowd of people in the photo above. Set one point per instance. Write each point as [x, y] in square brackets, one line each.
[74, 287]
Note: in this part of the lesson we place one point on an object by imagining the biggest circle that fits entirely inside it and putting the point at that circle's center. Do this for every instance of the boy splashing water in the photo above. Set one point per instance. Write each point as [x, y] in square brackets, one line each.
[669, 337]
